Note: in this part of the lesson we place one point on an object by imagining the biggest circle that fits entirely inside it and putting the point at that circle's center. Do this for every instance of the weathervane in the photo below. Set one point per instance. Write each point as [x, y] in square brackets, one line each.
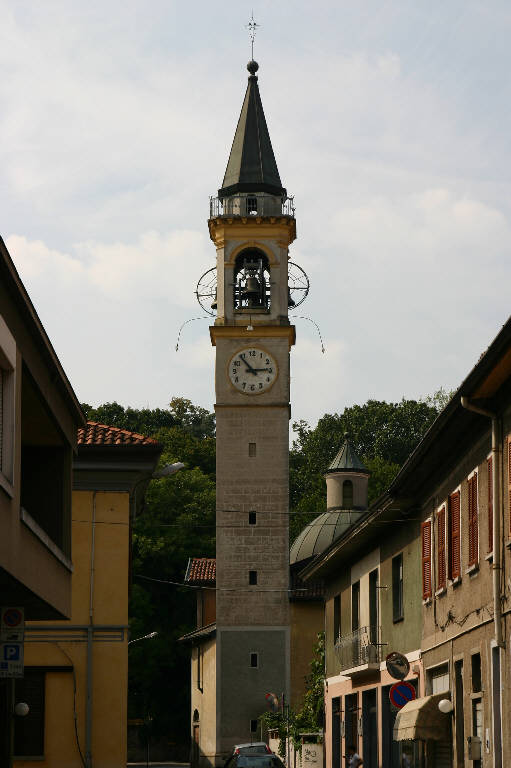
[252, 27]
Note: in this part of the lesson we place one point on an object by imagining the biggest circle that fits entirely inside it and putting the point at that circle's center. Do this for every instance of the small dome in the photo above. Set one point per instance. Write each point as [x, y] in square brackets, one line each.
[320, 533]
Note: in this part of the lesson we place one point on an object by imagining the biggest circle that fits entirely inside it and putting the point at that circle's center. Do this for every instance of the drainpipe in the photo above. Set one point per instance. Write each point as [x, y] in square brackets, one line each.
[90, 628]
[496, 451]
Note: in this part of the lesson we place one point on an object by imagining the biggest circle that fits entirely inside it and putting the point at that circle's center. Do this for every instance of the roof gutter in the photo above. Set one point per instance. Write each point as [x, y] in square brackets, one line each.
[496, 457]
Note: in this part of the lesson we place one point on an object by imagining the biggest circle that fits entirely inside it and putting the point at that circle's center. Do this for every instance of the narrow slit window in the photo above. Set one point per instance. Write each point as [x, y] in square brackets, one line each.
[254, 660]
[252, 450]
[252, 578]
[252, 518]
[253, 726]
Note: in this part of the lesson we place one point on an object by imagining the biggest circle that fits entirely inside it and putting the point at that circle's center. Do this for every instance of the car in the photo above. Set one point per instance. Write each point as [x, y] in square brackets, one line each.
[254, 760]
[252, 748]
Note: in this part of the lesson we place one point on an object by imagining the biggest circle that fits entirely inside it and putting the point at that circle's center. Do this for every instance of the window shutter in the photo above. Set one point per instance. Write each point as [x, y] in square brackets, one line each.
[441, 548]
[490, 506]
[426, 559]
[473, 542]
[454, 535]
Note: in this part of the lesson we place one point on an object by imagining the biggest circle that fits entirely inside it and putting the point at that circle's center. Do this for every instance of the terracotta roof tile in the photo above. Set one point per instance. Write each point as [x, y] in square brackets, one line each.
[101, 434]
[201, 570]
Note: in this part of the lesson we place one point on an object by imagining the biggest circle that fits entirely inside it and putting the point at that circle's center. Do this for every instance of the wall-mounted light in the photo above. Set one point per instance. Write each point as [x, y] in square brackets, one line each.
[445, 706]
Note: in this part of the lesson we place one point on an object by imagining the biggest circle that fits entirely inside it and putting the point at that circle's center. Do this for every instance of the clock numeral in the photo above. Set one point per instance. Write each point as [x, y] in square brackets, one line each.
[267, 361]
[270, 370]
[252, 387]
[244, 384]
[267, 378]
[252, 353]
[234, 371]
[236, 380]
[260, 385]
[242, 354]
[237, 363]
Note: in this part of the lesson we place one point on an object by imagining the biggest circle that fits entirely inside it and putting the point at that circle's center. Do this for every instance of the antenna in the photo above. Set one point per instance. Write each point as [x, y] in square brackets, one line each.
[252, 27]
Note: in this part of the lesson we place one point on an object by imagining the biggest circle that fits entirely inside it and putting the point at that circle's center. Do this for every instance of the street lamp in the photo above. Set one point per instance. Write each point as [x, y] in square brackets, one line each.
[144, 637]
[167, 470]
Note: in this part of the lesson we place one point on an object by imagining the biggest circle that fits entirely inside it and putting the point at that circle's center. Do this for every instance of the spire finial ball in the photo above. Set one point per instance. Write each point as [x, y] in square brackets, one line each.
[252, 66]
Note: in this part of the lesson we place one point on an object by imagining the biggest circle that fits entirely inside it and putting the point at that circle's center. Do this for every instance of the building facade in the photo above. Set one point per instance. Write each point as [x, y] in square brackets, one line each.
[459, 480]
[76, 670]
[371, 573]
[39, 417]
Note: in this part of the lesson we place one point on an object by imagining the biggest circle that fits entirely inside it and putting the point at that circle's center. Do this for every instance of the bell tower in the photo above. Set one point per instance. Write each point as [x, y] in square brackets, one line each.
[252, 225]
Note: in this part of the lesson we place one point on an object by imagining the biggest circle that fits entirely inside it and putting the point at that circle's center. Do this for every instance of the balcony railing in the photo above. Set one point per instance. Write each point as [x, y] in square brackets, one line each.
[360, 648]
[243, 204]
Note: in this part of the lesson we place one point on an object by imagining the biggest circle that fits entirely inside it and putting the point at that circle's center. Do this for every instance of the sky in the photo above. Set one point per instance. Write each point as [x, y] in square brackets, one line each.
[390, 123]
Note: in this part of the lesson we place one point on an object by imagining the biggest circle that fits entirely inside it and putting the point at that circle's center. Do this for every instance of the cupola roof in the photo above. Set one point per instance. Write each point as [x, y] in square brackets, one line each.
[251, 166]
[347, 459]
[321, 532]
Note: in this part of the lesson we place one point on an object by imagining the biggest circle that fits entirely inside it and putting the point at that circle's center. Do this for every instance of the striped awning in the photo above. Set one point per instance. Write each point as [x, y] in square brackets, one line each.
[421, 719]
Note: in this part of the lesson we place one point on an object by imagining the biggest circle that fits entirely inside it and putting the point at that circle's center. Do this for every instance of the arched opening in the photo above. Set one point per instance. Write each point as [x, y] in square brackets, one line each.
[251, 281]
[347, 494]
[196, 716]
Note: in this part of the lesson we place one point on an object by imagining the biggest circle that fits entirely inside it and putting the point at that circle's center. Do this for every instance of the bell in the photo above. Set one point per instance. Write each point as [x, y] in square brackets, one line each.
[214, 304]
[290, 302]
[252, 291]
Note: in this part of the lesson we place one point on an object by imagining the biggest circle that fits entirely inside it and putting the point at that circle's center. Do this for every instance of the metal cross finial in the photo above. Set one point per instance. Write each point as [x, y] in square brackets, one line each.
[252, 27]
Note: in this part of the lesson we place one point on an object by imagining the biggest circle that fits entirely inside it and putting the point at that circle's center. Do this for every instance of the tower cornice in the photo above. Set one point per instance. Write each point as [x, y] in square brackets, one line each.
[221, 227]
[259, 332]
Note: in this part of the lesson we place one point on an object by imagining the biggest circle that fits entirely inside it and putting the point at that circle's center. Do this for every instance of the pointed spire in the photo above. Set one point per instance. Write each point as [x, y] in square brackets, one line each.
[347, 459]
[252, 166]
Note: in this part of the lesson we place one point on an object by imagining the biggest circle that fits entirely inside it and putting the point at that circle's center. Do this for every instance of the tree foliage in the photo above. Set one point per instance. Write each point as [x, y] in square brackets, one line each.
[383, 435]
[309, 717]
[178, 521]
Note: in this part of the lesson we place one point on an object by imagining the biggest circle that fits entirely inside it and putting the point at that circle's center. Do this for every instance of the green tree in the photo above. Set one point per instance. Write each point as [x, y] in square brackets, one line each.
[383, 434]
[309, 718]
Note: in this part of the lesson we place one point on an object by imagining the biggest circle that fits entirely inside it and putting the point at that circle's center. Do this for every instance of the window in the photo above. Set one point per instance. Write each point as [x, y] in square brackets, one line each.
[252, 450]
[490, 505]
[7, 405]
[454, 535]
[426, 560]
[29, 730]
[473, 524]
[337, 618]
[251, 205]
[252, 518]
[253, 726]
[476, 672]
[397, 588]
[254, 660]
[200, 667]
[440, 530]
[347, 494]
[355, 606]
[252, 578]
[438, 679]
[509, 475]
[45, 468]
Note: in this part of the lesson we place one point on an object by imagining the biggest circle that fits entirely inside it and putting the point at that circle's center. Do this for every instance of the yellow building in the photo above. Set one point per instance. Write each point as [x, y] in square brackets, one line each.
[76, 671]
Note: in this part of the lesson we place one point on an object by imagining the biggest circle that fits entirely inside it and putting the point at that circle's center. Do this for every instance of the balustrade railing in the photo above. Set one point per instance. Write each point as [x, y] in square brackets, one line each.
[363, 646]
[245, 204]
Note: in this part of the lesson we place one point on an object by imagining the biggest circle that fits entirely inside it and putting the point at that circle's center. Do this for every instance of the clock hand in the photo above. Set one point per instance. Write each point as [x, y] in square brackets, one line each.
[248, 365]
[261, 369]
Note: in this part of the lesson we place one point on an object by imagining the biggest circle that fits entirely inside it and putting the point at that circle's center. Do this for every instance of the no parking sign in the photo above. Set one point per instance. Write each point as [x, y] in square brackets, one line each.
[401, 693]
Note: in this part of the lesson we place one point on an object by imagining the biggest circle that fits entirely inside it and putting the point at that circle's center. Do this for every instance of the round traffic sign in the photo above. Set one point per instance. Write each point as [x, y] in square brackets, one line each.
[398, 665]
[12, 617]
[401, 693]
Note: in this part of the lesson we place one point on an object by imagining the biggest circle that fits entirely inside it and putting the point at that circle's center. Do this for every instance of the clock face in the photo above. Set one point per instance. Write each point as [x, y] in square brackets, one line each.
[252, 370]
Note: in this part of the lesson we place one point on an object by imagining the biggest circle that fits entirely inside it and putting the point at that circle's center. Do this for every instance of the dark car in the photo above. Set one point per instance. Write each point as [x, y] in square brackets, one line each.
[254, 760]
